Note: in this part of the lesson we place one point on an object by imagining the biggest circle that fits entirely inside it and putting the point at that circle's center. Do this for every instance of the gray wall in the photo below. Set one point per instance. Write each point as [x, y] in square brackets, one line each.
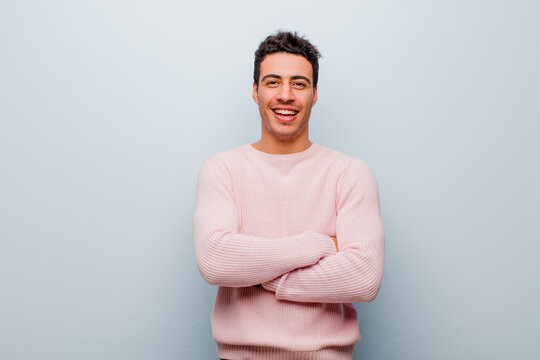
[108, 109]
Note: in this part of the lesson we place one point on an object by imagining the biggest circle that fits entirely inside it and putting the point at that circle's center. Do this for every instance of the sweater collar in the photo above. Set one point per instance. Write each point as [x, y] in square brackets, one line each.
[301, 155]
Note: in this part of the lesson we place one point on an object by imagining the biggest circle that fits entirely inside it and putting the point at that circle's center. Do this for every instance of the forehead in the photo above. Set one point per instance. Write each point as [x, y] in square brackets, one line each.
[286, 65]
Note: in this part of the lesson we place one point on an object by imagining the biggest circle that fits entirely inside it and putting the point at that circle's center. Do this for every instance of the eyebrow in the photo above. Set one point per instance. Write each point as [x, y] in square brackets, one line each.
[294, 77]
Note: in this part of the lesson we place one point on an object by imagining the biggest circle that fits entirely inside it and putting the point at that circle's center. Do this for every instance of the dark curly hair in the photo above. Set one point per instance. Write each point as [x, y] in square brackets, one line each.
[285, 41]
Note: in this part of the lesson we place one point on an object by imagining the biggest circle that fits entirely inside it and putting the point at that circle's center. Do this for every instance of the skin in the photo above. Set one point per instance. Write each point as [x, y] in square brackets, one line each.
[285, 81]
[335, 242]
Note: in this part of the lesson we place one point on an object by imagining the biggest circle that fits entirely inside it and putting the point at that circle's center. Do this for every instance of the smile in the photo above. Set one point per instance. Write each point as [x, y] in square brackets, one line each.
[285, 114]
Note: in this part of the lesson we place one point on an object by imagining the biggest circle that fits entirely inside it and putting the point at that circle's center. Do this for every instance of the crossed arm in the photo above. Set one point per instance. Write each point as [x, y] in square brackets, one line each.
[306, 267]
[227, 258]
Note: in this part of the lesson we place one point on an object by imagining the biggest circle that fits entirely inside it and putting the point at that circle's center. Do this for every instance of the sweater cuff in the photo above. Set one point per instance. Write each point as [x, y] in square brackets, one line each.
[272, 284]
[325, 242]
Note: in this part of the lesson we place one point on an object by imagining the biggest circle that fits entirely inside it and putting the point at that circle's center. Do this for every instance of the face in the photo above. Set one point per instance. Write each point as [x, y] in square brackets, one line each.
[285, 96]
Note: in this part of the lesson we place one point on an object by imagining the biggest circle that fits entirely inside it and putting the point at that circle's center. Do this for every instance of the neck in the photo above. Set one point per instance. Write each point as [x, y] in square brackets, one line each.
[279, 147]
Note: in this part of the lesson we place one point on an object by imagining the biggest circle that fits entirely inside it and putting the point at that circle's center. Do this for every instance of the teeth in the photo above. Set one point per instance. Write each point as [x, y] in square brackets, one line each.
[285, 112]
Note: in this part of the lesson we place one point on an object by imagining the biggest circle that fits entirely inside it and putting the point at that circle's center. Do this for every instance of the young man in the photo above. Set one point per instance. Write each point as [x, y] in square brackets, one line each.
[290, 230]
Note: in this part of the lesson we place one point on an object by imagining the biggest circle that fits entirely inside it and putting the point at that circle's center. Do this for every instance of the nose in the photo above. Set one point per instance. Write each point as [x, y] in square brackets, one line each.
[285, 93]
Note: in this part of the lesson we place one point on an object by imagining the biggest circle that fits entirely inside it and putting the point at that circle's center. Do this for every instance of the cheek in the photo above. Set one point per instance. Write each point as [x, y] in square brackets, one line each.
[264, 100]
[308, 101]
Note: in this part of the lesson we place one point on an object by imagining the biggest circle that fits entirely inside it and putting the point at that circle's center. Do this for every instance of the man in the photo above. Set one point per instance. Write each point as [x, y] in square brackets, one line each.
[290, 230]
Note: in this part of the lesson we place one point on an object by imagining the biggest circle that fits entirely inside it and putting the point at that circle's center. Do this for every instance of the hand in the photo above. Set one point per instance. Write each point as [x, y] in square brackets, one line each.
[335, 242]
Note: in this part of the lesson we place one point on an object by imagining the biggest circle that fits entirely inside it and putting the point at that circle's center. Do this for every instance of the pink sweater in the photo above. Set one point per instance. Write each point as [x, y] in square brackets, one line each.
[265, 219]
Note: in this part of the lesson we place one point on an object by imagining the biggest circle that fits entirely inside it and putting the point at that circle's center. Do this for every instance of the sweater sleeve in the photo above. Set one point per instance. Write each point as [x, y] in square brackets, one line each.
[227, 258]
[354, 274]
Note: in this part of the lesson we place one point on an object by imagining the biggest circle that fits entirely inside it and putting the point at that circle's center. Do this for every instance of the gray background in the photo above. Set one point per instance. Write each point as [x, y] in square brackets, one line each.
[108, 109]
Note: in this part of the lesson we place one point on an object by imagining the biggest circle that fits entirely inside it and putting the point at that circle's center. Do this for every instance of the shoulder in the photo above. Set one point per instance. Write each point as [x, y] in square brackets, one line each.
[355, 176]
[225, 157]
[223, 164]
[347, 165]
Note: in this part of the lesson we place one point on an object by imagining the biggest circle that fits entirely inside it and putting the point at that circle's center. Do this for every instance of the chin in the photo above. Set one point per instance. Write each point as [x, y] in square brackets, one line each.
[289, 136]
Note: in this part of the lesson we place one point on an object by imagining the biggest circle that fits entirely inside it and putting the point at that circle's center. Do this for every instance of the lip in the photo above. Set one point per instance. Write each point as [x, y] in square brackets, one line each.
[282, 118]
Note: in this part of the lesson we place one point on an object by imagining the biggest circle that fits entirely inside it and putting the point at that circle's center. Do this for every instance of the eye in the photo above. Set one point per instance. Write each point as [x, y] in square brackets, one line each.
[299, 85]
[271, 83]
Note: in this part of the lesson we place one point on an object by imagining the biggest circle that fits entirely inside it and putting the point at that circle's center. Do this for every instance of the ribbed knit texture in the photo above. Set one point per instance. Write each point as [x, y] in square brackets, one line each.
[266, 219]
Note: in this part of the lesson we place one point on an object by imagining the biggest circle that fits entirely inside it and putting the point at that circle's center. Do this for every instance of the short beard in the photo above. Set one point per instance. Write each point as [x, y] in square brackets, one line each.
[289, 137]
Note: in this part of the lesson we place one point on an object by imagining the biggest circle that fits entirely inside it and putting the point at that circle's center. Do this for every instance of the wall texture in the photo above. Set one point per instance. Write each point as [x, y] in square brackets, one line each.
[108, 108]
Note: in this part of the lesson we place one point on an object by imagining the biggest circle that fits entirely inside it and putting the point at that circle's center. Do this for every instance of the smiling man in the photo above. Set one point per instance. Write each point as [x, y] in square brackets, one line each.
[289, 230]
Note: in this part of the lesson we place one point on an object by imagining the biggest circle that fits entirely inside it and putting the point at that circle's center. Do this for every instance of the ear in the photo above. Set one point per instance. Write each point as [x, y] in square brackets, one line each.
[314, 96]
[255, 93]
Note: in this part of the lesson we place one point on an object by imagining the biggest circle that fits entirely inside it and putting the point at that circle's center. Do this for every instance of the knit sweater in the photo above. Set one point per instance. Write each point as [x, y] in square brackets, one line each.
[266, 219]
